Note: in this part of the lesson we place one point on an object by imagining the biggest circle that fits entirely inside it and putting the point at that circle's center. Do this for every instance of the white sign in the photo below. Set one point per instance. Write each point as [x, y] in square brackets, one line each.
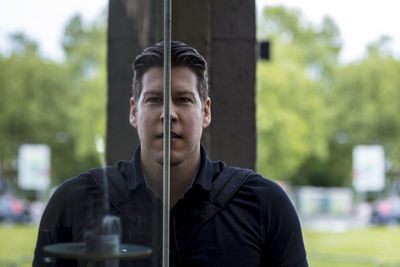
[34, 167]
[368, 168]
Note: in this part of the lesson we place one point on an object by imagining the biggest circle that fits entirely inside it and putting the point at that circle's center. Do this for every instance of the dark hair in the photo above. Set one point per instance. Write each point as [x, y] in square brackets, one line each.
[182, 55]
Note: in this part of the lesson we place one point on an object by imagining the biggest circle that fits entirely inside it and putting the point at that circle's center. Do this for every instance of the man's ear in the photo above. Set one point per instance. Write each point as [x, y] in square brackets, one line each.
[206, 113]
[132, 113]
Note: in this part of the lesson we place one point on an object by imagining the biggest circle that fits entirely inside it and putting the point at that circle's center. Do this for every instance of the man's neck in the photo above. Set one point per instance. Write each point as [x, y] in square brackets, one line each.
[181, 177]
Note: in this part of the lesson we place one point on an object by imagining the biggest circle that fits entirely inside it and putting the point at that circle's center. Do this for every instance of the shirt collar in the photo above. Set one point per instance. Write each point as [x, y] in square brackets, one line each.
[204, 178]
[206, 171]
[135, 174]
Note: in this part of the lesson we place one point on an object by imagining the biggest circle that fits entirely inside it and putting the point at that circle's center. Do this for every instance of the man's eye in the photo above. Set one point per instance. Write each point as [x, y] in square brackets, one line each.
[184, 100]
[154, 99]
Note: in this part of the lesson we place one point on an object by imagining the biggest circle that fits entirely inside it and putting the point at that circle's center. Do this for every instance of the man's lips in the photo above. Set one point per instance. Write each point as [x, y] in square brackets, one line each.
[172, 135]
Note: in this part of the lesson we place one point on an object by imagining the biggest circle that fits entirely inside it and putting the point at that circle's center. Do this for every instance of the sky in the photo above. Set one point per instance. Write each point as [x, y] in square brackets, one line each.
[43, 21]
[360, 21]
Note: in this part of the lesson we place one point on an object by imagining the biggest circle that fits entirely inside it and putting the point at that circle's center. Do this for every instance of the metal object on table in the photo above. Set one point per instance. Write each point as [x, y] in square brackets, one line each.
[102, 244]
[104, 236]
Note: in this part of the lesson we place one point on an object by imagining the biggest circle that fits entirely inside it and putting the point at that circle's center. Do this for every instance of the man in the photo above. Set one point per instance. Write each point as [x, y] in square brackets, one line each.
[253, 224]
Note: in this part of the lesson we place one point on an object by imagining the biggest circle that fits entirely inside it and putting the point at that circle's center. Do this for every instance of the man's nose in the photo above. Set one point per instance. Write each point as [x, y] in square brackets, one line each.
[173, 113]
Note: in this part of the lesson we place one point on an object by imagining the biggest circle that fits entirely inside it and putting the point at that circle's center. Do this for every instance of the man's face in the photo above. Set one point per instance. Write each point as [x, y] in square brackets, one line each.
[189, 116]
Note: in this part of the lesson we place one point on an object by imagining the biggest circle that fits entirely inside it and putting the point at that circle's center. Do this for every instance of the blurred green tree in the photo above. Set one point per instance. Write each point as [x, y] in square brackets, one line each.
[289, 128]
[363, 105]
[312, 110]
[61, 104]
[368, 110]
[85, 49]
[291, 111]
[33, 104]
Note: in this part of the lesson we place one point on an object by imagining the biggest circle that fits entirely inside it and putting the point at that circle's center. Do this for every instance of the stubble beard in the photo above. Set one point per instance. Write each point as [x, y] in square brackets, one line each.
[173, 163]
[177, 161]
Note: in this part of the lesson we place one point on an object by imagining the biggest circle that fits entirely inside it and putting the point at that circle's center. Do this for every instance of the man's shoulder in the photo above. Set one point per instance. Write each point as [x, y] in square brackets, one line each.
[71, 189]
[259, 185]
[86, 178]
[253, 178]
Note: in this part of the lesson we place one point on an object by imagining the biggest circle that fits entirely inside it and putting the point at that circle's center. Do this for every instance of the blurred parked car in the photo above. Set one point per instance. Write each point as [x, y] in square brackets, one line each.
[13, 210]
[386, 211]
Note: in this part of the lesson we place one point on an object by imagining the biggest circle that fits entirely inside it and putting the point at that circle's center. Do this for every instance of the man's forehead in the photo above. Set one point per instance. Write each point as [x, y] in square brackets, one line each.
[153, 75]
[183, 81]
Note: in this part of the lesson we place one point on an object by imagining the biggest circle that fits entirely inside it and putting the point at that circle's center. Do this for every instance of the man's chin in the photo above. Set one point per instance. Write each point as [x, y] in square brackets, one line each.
[174, 159]
[172, 162]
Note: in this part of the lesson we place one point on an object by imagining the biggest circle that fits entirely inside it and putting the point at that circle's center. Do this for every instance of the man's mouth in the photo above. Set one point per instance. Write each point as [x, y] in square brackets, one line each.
[172, 135]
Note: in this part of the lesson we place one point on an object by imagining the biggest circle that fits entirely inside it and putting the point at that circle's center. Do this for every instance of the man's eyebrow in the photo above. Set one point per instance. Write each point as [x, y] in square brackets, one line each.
[184, 92]
[153, 92]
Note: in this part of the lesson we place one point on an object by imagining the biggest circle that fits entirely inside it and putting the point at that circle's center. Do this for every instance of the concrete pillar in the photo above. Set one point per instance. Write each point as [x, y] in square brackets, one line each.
[232, 135]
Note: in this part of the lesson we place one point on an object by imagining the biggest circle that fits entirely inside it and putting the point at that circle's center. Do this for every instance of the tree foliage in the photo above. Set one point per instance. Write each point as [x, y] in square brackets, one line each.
[313, 109]
[291, 114]
[85, 49]
[56, 103]
[289, 129]
[368, 112]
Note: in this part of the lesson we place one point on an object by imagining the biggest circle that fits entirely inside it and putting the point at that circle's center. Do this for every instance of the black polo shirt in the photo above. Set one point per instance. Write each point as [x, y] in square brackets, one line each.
[258, 227]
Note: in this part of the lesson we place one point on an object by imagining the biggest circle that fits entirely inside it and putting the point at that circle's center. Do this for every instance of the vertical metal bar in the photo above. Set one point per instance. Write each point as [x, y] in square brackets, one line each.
[167, 122]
